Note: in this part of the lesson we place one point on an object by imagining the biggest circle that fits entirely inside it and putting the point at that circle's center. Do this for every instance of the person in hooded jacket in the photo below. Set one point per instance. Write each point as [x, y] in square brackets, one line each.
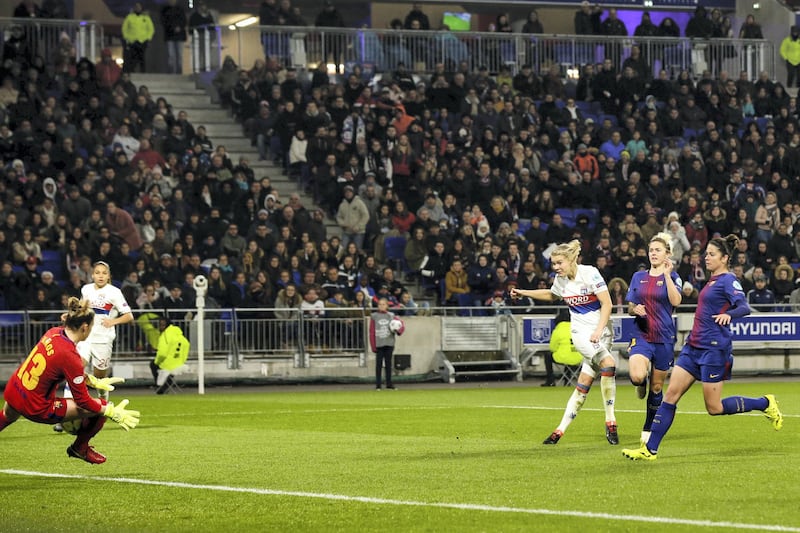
[790, 52]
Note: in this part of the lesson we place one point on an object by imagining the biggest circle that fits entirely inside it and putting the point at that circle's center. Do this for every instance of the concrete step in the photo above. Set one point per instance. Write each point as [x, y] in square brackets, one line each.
[199, 115]
[224, 129]
[232, 144]
[183, 95]
[200, 102]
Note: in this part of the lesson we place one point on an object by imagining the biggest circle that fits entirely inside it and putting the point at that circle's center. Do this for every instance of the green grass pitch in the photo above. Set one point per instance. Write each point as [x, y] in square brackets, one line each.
[432, 458]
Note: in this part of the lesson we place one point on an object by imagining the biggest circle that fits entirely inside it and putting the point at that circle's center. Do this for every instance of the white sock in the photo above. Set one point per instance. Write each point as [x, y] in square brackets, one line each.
[608, 387]
[573, 408]
[67, 391]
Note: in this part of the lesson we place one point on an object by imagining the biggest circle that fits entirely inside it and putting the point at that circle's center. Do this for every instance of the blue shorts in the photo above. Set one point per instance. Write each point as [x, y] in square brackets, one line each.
[706, 365]
[661, 354]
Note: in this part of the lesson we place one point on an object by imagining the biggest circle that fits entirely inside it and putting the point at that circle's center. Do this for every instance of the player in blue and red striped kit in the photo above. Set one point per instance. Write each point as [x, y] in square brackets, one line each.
[652, 296]
[707, 356]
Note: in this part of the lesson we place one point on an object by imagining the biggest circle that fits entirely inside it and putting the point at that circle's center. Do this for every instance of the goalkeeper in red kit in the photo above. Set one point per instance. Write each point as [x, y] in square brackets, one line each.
[31, 390]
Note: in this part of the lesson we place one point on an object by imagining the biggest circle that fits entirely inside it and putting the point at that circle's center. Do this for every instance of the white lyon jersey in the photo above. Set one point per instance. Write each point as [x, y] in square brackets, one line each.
[106, 302]
[580, 294]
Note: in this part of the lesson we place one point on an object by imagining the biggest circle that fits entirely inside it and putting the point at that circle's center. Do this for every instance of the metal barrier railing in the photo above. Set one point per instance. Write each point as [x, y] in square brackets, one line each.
[382, 49]
[42, 37]
[240, 334]
[236, 334]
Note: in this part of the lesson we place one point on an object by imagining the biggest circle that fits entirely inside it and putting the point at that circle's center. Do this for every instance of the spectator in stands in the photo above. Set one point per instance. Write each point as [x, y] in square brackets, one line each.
[456, 284]
[121, 225]
[416, 14]
[783, 284]
[54, 9]
[761, 298]
[107, 71]
[334, 44]
[750, 29]
[700, 26]
[587, 19]
[352, 216]
[173, 21]
[137, 32]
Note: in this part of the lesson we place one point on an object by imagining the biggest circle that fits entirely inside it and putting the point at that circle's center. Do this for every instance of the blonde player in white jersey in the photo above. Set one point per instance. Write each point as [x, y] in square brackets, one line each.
[110, 309]
[584, 290]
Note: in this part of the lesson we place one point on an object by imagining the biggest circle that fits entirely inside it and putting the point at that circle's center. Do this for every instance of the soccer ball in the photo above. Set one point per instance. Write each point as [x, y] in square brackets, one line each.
[395, 325]
[72, 426]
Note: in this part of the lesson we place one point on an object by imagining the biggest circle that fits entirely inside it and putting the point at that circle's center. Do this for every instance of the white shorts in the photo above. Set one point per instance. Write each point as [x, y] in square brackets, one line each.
[98, 354]
[592, 353]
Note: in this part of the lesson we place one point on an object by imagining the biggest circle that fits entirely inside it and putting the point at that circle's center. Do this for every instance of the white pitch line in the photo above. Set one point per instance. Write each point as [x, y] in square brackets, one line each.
[412, 503]
[422, 408]
[541, 408]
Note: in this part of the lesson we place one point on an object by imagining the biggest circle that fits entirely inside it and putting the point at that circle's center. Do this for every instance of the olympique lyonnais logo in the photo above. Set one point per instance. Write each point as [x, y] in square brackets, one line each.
[617, 326]
[540, 329]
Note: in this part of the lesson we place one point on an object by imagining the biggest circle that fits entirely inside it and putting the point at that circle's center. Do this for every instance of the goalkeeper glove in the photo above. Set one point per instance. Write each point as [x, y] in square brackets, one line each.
[106, 384]
[127, 418]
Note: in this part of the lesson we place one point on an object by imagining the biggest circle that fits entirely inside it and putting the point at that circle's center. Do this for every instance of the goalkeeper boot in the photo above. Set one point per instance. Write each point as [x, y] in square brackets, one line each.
[89, 455]
[554, 437]
[639, 454]
[773, 413]
[611, 433]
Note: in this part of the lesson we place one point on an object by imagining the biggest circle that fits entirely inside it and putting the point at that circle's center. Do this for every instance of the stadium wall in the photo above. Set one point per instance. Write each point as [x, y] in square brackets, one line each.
[423, 338]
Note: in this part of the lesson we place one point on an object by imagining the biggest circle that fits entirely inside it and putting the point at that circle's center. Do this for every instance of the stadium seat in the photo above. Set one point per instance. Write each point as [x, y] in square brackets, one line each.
[53, 261]
[523, 225]
[612, 118]
[762, 124]
[593, 116]
[395, 249]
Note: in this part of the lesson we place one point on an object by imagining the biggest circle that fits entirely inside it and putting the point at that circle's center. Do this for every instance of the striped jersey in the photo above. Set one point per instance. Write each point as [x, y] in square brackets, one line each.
[651, 292]
[106, 302]
[580, 294]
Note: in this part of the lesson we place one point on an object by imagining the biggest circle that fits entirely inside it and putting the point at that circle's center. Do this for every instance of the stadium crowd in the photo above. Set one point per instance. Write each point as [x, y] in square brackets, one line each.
[472, 175]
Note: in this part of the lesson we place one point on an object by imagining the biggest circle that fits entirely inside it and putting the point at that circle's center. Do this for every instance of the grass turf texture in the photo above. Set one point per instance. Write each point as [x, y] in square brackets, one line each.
[477, 448]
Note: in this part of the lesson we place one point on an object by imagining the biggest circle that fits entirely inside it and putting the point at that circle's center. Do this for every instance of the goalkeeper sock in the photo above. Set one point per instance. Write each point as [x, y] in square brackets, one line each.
[608, 388]
[67, 391]
[661, 424]
[739, 404]
[573, 406]
[4, 423]
[89, 428]
[654, 399]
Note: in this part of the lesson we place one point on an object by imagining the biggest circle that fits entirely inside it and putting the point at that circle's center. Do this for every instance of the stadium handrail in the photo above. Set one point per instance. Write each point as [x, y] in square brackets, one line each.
[44, 35]
[301, 46]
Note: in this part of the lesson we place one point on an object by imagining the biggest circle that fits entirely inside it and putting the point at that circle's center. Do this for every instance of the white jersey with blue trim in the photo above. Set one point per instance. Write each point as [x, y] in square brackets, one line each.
[106, 302]
[580, 294]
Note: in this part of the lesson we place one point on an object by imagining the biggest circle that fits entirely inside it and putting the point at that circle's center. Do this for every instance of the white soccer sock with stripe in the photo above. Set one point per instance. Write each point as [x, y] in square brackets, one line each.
[608, 388]
[573, 408]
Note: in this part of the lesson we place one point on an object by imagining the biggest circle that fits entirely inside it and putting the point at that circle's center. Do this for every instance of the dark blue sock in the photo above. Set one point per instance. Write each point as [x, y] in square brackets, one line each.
[661, 424]
[653, 402]
[739, 404]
